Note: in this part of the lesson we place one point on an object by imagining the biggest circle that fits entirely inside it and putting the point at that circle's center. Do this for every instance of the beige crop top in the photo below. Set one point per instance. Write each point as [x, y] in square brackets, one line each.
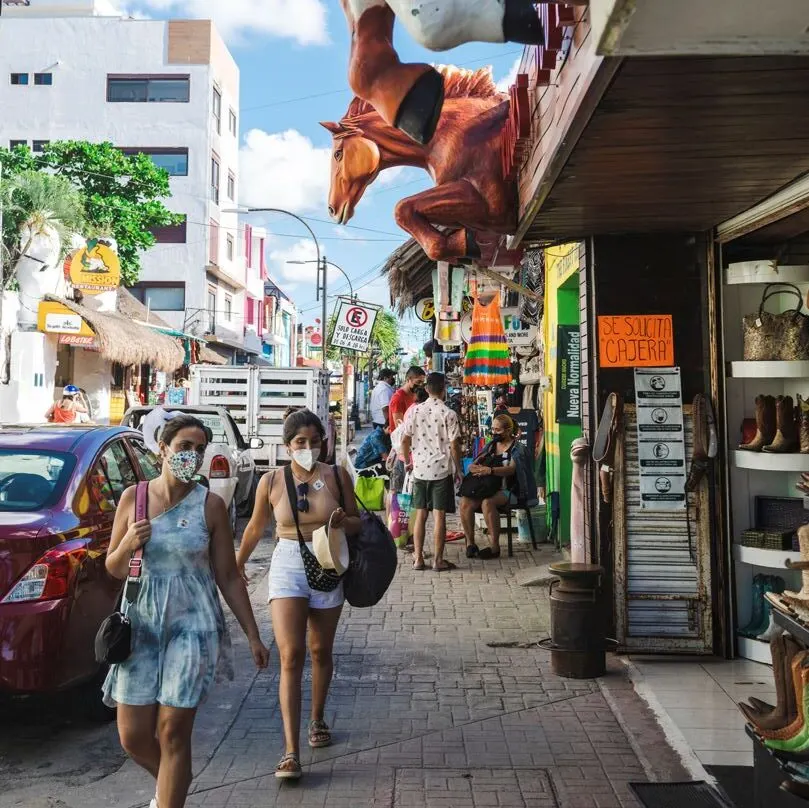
[322, 503]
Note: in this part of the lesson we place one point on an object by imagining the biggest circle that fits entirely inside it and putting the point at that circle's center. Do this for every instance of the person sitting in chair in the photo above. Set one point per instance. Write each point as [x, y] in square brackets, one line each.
[507, 459]
[374, 449]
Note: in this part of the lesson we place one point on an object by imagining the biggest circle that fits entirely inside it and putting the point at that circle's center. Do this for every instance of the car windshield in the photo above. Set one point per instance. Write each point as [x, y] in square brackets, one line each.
[30, 481]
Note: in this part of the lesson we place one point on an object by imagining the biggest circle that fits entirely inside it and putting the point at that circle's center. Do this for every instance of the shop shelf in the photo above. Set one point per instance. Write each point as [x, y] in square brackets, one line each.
[756, 650]
[796, 629]
[748, 272]
[757, 557]
[761, 461]
[769, 370]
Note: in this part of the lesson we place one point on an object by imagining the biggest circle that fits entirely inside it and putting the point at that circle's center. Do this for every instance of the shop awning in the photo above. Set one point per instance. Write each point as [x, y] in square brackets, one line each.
[410, 275]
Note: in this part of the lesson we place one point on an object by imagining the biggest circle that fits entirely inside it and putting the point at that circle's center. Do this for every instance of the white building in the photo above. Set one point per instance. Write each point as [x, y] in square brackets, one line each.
[166, 88]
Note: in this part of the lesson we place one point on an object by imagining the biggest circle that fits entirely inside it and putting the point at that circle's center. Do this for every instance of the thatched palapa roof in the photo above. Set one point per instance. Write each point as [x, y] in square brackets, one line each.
[410, 275]
[121, 339]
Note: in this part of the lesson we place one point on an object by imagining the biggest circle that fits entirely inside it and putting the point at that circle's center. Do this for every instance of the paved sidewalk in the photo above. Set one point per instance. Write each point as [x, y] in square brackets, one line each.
[425, 713]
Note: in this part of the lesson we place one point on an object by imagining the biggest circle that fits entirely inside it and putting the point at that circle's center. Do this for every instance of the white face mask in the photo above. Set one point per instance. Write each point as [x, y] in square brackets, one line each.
[305, 458]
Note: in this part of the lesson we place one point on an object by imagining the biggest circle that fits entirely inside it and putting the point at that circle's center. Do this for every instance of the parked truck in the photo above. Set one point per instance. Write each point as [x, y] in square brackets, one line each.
[257, 397]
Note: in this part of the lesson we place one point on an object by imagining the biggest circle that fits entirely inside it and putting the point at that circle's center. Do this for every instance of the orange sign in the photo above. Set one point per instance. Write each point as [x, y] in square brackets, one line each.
[635, 341]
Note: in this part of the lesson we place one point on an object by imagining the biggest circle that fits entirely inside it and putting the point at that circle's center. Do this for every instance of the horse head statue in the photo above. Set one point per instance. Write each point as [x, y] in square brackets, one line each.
[39, 268]
[470, 193]
[356, 163]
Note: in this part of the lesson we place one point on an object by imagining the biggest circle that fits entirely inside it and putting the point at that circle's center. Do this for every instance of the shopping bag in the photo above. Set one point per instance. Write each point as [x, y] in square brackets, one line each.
[371, 492]
[399, 522]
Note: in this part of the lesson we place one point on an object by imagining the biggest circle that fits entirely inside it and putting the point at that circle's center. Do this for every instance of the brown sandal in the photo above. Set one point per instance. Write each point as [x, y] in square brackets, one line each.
[292, 773]
[319, 734]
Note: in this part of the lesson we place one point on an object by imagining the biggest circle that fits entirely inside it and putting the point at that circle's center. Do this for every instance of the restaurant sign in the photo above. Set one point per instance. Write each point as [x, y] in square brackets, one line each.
[55, 318]
[94, 269]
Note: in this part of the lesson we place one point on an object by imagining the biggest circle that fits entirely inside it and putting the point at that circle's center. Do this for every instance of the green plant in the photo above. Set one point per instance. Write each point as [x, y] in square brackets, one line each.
[384, 339]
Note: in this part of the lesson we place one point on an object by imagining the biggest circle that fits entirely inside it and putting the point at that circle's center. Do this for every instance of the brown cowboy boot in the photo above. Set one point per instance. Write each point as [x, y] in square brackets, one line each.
[783, 649]
[765, 424]
[802, 416]
[786, 438]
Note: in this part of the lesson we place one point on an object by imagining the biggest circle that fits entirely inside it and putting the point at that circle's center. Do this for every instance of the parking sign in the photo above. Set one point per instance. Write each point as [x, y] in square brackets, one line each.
[353, 326]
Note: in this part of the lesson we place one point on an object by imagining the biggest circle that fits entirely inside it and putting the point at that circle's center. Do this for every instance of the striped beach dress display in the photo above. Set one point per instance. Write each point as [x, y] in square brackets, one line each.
[488, 360]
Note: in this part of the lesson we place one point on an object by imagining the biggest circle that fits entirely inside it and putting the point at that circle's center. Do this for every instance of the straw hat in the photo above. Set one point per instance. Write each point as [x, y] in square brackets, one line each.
[331, 548]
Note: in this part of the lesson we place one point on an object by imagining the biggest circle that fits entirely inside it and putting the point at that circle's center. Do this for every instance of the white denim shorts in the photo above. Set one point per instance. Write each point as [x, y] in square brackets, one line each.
[288, 578]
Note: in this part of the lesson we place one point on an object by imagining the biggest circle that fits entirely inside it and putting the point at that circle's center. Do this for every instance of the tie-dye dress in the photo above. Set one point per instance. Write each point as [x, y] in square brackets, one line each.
[180, 640]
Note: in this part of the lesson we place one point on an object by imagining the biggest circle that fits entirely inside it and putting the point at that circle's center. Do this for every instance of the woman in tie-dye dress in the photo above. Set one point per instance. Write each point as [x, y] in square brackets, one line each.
[179, 636]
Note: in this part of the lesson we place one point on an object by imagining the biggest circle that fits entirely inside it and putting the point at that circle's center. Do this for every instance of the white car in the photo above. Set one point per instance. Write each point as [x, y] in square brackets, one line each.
[228, 465]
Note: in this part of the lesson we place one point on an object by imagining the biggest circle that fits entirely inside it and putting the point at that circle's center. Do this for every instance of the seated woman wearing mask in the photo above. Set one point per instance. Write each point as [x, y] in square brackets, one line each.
[505, 457]
[179, 634]
[294, 606]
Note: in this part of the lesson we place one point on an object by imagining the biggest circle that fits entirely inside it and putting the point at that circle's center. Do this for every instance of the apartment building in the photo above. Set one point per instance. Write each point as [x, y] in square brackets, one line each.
[169, 89]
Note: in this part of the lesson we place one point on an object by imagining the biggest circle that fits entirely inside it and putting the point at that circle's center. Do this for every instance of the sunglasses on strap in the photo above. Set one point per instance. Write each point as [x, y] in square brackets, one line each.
[303, 502]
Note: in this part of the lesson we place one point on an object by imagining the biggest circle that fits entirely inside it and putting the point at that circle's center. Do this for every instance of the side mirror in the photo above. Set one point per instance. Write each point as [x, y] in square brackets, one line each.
[256, 443]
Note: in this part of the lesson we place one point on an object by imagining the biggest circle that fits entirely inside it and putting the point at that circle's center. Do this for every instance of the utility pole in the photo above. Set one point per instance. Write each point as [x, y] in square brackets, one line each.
[321, 290]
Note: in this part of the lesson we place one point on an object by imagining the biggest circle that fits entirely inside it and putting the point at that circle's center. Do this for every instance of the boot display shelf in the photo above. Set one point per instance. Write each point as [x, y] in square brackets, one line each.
[757, 474]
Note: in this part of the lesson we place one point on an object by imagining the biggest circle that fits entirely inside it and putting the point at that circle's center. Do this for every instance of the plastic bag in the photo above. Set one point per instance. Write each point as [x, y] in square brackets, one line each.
[370, 493]
[400, 522]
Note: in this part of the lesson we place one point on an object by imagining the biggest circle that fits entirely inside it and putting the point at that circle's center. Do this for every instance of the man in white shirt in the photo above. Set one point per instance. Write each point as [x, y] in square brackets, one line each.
[431, 430]
[381, 396]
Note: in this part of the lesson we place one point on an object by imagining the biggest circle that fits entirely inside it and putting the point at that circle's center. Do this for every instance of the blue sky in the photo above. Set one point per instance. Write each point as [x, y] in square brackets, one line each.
[293, 57]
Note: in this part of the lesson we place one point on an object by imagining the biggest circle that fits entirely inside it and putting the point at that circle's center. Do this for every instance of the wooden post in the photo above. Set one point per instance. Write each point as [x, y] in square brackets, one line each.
[344, 409]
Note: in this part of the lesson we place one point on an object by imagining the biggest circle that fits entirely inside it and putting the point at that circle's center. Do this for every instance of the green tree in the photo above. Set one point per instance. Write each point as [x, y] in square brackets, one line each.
[121, 195]
[385, 340]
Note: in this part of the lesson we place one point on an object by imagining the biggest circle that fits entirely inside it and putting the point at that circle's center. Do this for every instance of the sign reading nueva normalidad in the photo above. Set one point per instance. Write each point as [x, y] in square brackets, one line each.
[661, 439]
[353, 326]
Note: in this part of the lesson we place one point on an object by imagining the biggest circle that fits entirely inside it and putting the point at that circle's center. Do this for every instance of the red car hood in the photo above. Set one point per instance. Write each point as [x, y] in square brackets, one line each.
[23, 540]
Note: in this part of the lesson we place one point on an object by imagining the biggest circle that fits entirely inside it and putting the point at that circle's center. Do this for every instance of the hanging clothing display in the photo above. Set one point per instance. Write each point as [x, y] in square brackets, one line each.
[448, 284]
[532, 277]
[488, 359]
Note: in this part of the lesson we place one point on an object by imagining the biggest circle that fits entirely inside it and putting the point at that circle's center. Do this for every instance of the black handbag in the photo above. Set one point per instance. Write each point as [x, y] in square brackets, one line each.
[318, 578]
[487, 486]
[372, 558]
[113, 642]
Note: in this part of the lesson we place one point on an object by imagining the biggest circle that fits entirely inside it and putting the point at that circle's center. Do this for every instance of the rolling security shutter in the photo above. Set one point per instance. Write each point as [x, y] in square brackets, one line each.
[662, 560]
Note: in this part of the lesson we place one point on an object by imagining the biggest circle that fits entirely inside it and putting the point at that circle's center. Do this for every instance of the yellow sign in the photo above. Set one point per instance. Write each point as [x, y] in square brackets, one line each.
[95, 268]
[54, 318]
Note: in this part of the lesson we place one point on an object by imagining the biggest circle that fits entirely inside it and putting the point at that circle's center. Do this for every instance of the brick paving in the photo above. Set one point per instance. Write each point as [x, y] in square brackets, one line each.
[425, 713]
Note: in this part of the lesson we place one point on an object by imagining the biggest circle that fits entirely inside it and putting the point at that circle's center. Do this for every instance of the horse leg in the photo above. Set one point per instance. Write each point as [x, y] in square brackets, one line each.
[407, 96]
[443, 24]
[446, 205]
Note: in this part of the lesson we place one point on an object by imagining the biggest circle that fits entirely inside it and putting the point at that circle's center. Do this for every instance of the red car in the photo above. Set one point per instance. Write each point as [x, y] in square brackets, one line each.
[59, 487]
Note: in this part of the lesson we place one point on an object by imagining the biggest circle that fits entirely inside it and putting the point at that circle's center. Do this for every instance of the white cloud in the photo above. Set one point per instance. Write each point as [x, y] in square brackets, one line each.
[283, 170]
[301, 20]
[505, 83]
[294, 274]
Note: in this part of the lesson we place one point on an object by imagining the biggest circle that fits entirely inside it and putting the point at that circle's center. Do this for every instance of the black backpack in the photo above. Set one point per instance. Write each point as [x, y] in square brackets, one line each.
[373, 558]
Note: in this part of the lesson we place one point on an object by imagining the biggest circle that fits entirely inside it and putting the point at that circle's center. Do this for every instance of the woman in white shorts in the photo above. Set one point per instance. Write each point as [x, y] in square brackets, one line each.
[294, 606]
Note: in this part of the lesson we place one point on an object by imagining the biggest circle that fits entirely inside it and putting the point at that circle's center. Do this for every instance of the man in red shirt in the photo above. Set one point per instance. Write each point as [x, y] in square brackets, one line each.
[403, 399]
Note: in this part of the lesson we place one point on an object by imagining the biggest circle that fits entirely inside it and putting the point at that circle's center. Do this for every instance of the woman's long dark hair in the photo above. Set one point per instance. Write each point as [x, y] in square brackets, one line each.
[296, 420]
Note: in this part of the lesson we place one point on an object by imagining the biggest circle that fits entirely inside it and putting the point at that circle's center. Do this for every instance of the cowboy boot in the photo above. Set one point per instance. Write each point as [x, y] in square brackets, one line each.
[786, 438]
[758, 605]
[775, 584]
[783, 649]
[765, 424]
[798, 788]
[803, 424]
[792, 731]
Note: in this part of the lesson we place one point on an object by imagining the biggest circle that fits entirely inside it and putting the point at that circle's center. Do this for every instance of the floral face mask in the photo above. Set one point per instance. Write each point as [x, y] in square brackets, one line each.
[185, 465]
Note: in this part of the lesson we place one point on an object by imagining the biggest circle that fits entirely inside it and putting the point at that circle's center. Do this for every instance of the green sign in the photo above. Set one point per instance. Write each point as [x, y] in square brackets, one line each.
[568, 375]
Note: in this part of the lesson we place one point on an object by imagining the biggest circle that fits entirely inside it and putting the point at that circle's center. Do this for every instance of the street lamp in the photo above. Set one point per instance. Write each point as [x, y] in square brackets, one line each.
[331, 264]
[320, 264]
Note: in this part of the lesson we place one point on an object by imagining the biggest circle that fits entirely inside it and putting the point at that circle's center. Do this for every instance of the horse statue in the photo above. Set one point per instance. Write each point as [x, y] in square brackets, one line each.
[38, 269]
[470, 194]
[410, 96]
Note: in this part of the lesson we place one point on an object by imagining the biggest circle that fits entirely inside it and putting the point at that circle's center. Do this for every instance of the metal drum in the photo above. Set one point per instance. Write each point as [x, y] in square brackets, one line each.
[578, 627]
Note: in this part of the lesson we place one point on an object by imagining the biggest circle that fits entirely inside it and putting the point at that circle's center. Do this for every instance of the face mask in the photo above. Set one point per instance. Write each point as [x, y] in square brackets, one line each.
[305, 458]
[185, 465]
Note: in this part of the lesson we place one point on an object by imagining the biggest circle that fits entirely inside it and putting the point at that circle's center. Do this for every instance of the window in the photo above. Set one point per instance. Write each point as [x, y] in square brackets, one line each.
[31, 480]
[149, 464]
[231, 247]
[217, 110]
[112, 475]
[148, 89]
[211, 309]
[171, 234]
[228, 308]
[215, 171]
[161, 296]
[213, 246]
[175, 161]
[231, 186]
[43, 79]
[20, 79]
[233, 123]
[12, 144]
[39, 145]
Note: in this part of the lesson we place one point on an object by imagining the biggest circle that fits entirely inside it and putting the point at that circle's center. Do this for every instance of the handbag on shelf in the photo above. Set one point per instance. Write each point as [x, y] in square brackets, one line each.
[113, 642]
[773, 337]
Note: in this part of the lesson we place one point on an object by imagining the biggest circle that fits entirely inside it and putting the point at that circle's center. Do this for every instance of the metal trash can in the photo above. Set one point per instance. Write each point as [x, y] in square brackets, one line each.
[578, 642]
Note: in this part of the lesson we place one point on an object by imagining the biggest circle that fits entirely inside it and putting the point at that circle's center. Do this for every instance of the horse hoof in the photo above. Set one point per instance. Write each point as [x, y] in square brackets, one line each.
[420, 110]
[521, 23]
